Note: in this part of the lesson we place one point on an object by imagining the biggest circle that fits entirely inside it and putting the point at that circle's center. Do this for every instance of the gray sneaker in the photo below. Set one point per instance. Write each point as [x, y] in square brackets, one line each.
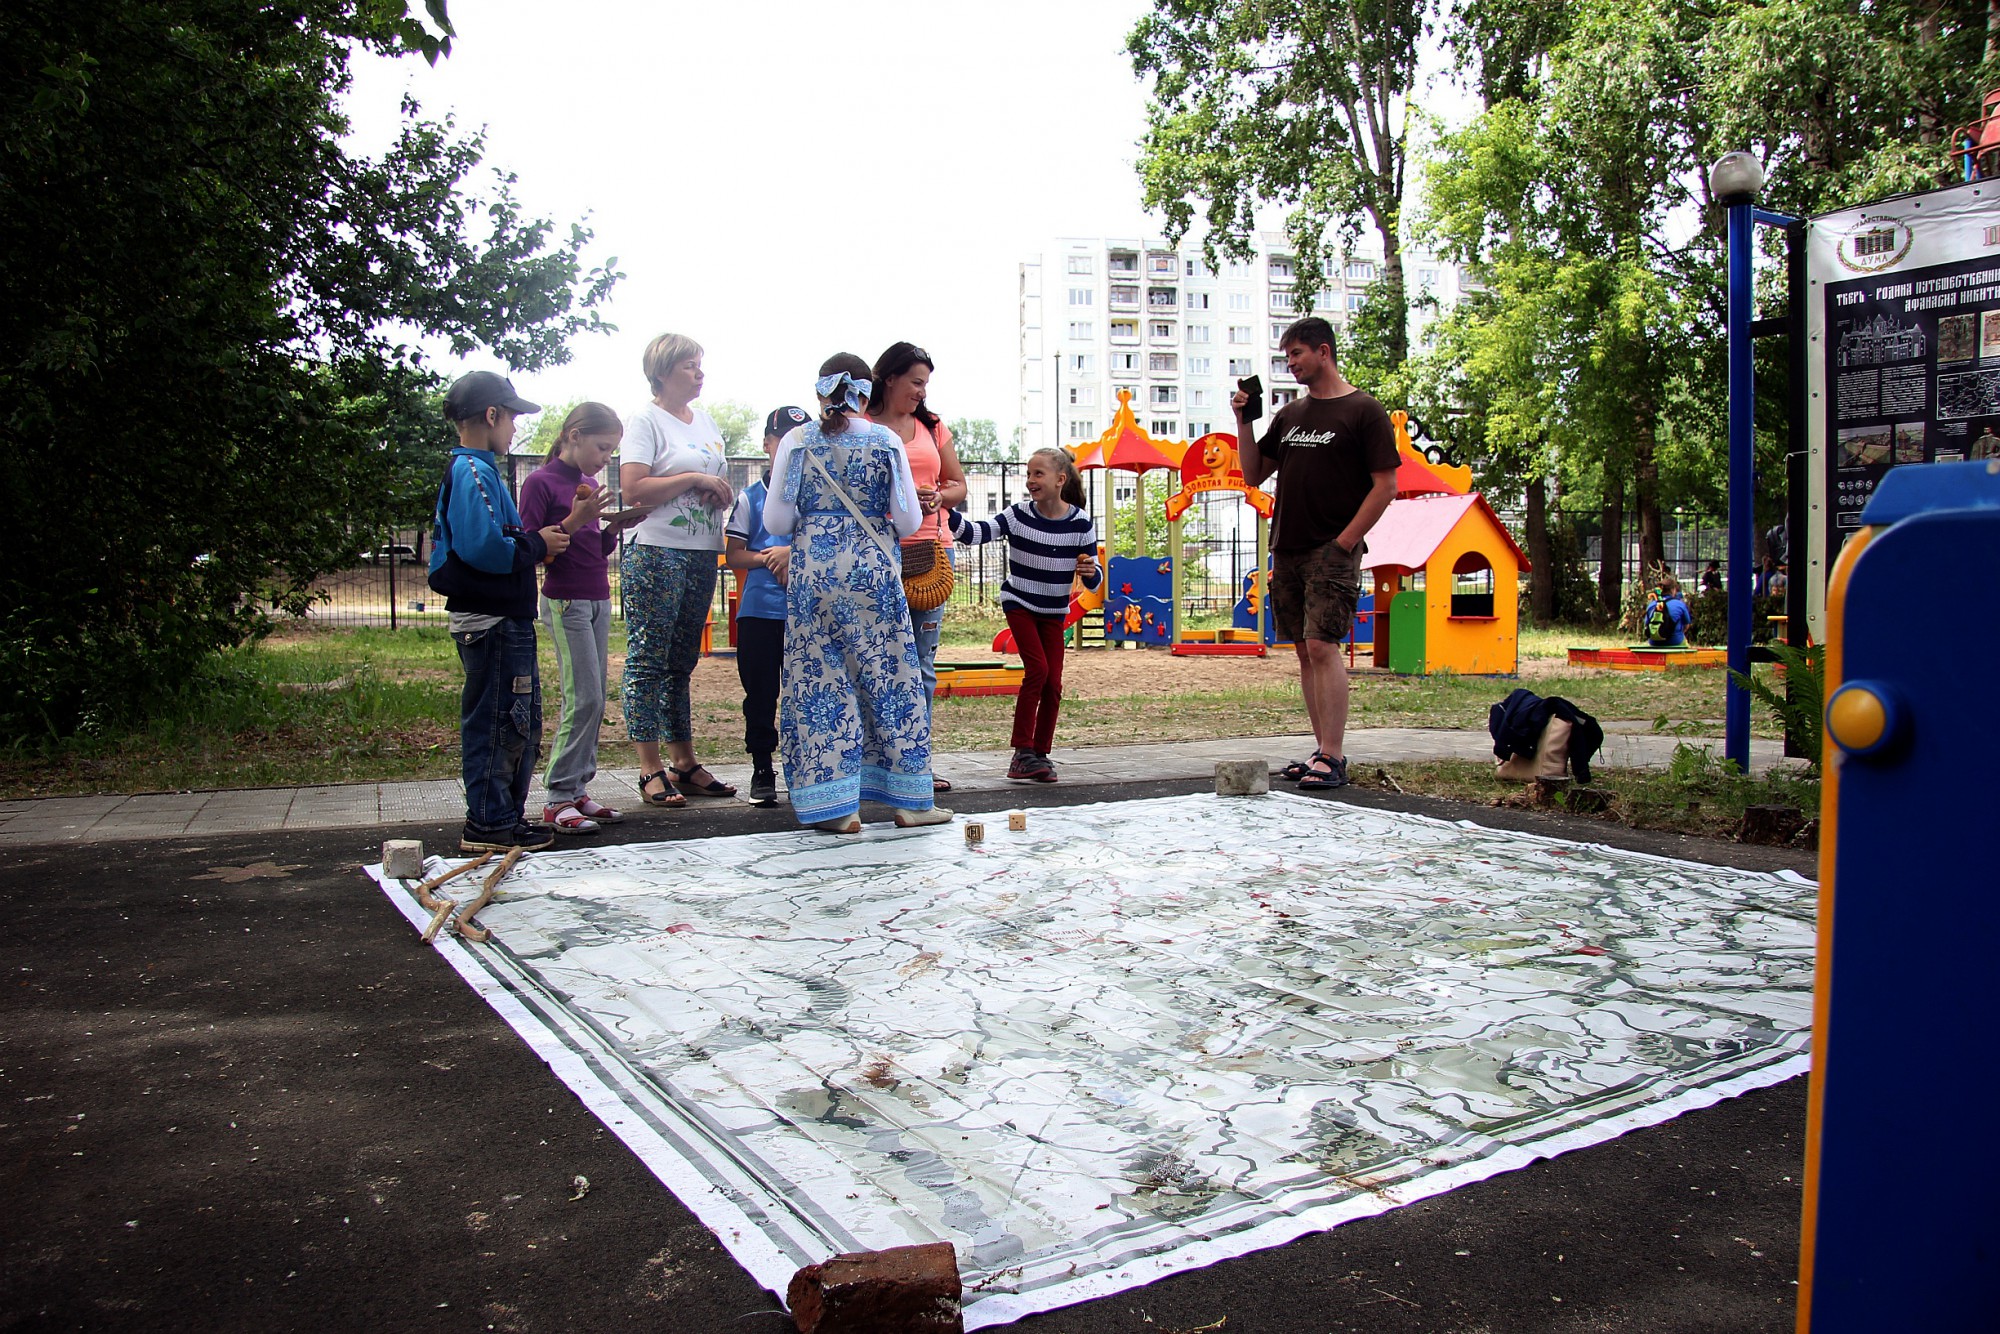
[764, 788]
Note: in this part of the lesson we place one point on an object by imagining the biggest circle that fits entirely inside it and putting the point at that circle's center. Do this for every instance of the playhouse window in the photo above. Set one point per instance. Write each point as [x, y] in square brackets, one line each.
[1472, 586]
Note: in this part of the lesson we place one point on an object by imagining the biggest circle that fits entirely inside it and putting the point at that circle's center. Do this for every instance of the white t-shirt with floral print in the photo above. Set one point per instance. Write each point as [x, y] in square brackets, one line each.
[668, 446]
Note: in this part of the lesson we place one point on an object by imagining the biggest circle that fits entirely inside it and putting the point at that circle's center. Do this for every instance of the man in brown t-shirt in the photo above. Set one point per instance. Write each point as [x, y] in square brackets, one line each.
[1334, 451]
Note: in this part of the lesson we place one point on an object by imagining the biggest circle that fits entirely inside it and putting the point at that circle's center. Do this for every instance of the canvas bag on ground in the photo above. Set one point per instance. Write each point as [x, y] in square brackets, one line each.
[1550, 760]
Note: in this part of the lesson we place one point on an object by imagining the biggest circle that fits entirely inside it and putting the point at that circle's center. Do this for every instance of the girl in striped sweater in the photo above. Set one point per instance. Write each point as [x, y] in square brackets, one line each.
[1051, 540]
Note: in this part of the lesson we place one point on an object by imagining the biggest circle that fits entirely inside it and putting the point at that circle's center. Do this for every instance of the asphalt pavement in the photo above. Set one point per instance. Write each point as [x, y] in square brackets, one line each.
[236, 1093]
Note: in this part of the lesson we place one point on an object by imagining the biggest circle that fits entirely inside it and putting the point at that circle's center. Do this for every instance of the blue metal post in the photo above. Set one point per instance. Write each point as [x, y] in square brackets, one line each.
[1742, 484]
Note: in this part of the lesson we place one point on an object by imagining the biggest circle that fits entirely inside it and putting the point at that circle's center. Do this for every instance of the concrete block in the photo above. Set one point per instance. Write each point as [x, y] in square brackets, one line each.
[903, 1290]
[403, 858]
[1241, 778]
[1017, 821]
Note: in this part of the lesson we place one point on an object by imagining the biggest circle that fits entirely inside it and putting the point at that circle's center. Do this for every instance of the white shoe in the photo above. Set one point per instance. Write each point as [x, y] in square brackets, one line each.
[915, 819]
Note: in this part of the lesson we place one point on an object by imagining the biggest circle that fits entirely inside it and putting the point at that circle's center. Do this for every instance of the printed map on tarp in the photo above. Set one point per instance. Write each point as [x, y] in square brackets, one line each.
[1139, 1037]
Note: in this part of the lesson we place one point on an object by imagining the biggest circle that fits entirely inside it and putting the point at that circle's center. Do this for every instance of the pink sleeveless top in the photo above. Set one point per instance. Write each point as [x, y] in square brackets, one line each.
[926, 464]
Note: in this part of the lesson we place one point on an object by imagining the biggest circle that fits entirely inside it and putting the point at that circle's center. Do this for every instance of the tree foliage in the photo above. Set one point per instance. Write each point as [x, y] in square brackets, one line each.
[1591, 352]
[1302, 104]
[742, 426]
[207, 393]
[977, 440]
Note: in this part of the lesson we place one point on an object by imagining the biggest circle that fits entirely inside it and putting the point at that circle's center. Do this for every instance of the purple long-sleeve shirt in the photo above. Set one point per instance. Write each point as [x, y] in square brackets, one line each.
[580, 574]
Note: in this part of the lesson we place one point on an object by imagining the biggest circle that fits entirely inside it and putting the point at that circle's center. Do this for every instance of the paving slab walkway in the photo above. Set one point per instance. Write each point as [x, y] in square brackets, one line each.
[112, 817]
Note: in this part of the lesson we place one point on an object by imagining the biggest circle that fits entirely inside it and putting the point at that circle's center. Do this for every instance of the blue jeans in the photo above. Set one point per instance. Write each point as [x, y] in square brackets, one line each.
[927, 626]
[499, 722]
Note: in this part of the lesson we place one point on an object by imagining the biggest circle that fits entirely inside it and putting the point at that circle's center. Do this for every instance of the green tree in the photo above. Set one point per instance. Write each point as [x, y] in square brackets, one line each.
[209, 302]
[977, 440]
[538, 435]
[742, 426]
[1303, 104]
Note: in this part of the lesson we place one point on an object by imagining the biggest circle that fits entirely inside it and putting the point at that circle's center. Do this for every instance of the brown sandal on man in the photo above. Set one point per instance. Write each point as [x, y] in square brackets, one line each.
[714, 787]
[668, 797]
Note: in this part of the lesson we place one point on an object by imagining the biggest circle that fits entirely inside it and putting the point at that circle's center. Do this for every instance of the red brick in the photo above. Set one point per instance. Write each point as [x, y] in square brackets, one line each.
[903, 1290]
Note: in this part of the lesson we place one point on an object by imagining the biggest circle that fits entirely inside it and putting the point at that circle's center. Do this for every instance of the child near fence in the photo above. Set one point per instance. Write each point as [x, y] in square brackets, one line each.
[1051, 541]
[576, 604]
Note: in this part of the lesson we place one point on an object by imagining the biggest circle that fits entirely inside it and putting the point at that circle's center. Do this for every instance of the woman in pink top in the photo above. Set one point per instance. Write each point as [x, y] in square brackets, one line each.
[902, 380]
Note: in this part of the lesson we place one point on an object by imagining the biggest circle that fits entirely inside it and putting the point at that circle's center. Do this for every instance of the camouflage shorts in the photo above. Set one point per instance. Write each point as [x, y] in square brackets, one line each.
[1314, 592]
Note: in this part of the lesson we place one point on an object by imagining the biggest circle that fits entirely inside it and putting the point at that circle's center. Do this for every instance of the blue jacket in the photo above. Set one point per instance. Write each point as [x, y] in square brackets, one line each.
[482, 561]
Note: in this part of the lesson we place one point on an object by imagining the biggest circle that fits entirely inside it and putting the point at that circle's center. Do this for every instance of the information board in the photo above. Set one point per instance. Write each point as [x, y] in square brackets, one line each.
[1903, 366]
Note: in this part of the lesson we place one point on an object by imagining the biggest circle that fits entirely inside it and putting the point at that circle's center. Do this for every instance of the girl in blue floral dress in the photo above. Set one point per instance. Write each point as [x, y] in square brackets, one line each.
[853, 726]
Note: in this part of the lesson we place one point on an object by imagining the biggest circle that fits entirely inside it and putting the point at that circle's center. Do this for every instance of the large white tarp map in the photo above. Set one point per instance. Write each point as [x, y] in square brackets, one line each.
[1137, 1038]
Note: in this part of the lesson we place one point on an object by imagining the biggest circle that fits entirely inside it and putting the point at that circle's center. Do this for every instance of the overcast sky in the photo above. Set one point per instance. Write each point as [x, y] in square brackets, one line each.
[782, 181]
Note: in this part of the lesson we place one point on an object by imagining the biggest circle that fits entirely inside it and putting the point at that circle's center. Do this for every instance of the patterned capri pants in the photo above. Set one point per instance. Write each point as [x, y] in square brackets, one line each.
[667, 596]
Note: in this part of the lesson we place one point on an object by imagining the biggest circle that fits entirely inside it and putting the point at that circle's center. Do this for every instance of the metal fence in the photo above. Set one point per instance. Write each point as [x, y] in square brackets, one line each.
[387, 584]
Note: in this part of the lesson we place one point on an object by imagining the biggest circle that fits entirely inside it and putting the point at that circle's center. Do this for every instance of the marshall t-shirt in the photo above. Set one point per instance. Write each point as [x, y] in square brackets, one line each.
[1328, 450]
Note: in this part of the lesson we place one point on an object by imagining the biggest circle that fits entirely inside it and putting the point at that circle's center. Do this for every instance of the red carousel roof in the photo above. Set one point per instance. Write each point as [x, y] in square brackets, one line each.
[1128, 448]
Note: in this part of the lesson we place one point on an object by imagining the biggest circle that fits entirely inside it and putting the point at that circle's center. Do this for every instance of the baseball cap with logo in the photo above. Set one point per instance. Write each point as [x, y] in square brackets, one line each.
[781, 422]
[474, 393]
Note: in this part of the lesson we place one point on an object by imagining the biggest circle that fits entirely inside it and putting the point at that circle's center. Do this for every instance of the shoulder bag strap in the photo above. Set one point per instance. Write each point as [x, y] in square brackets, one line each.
[888, 548]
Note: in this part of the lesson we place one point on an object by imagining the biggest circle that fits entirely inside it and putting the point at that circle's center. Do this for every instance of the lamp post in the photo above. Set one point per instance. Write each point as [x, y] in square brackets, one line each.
[1734, 180]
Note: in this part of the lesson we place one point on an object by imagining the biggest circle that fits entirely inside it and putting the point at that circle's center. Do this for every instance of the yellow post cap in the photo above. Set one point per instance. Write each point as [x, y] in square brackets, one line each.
[1858, 718]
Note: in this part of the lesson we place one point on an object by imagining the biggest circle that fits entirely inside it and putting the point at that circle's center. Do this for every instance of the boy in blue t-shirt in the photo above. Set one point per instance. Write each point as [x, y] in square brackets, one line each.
[484, 562]
[1667, 617]
[763, 563]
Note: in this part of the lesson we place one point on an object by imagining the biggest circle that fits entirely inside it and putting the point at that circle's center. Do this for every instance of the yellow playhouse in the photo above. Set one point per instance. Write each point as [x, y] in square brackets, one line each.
[1446, 574]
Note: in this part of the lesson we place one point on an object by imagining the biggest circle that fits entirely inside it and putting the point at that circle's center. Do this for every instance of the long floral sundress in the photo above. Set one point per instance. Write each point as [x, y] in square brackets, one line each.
[853, 725]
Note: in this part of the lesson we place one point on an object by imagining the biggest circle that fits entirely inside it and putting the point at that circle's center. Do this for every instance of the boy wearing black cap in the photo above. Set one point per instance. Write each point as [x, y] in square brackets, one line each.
[762, 562]
[484, 564]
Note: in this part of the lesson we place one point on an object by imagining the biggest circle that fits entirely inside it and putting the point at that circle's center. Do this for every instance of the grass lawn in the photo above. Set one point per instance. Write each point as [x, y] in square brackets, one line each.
[312, 706]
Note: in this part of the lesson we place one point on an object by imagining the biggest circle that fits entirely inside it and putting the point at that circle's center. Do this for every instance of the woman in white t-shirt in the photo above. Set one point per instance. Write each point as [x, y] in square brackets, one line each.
[671, 457]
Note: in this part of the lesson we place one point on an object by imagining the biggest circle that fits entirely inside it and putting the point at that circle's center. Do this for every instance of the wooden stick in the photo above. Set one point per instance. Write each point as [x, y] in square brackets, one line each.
[423, 891]
[471, 910]
[442, 910]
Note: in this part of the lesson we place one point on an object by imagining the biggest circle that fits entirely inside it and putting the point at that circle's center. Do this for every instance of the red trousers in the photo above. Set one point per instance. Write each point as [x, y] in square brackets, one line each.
[1039, 640]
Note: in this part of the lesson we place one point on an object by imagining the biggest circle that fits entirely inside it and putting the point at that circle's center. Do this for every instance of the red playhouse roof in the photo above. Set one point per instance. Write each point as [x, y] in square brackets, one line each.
[1126, 447]
[1410, 530]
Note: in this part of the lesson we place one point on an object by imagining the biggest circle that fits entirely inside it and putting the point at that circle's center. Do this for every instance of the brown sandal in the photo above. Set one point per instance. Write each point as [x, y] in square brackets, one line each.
[668, 797]
[684, 780]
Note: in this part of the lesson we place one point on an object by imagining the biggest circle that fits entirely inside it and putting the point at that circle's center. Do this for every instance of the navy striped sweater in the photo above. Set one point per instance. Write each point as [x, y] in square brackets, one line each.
[1041, 553]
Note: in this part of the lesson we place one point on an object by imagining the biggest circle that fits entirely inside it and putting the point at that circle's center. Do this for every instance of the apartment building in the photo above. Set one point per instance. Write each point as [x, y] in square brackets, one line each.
[1100, 314]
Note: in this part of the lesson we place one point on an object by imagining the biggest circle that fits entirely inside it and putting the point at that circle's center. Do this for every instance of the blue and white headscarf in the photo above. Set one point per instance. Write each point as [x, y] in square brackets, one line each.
[843, 390]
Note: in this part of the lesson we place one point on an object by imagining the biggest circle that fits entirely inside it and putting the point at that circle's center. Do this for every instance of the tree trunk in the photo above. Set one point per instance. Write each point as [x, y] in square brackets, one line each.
[1395, 291]
[1993, 30]
[1542, 581]
[1611, 548]
[1646, 491]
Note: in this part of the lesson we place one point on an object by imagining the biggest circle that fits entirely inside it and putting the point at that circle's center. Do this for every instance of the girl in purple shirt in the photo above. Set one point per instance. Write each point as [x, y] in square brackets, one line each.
[576, 604]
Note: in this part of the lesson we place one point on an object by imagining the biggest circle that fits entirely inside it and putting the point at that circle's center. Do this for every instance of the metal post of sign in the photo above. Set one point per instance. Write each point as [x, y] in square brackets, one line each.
[1735, 180]
[1742, 483]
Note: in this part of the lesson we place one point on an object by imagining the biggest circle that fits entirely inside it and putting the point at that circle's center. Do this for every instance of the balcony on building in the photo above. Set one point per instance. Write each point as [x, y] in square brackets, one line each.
[1163, 331]
[1123, 296]
[1281, 269]
[1124, 331]
[1163, 363]
[1162, 264]
[1163, 300]
[1121, 261]
[1122, 370]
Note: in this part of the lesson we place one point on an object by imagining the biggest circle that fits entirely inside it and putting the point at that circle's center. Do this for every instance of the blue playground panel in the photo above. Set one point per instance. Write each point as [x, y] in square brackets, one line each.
[1904, 1234]
[1138, 603]
[1362, 635]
